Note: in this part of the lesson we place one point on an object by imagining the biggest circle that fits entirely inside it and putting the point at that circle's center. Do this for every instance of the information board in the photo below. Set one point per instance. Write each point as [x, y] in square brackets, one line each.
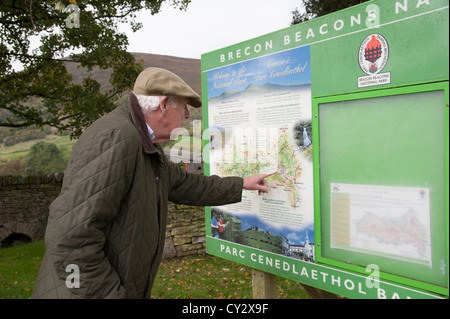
[357, 133]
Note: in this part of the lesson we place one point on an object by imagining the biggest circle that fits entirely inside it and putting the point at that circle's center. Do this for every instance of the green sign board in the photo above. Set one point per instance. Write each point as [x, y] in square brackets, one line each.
[351, 112]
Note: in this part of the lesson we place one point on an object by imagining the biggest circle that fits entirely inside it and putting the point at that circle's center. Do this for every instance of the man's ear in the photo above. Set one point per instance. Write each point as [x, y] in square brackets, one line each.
[163, 104]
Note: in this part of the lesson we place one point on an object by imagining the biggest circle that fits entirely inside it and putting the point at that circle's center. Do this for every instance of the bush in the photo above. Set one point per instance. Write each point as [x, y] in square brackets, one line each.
[44, 158]
[9, 141]
[18, 135]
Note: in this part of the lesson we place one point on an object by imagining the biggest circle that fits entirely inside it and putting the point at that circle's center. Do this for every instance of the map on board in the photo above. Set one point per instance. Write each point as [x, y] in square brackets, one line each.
[276, 156]
[382, 220]
[406, 230]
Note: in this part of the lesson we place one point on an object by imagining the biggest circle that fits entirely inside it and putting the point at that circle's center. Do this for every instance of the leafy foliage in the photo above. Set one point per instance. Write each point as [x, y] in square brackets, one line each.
[43, 76]
[44, 158]
[318, 8]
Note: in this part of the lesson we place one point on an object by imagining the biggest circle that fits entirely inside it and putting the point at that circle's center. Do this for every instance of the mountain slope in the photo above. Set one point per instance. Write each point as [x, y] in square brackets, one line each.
[188, 69]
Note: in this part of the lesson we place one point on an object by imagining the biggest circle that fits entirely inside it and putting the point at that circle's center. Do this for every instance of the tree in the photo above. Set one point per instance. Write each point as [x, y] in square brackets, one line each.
[70, 32]
[318, 8]
[44, 158]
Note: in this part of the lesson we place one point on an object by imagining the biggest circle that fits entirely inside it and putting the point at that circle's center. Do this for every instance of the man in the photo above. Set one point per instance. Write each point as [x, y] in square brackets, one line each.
[106, 230]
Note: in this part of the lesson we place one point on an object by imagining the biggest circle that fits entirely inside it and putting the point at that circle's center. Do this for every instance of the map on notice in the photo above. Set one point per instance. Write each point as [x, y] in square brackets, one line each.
[382, 220]
[276, 156]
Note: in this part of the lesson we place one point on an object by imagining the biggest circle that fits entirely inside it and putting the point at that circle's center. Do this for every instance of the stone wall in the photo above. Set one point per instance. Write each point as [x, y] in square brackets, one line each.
[24, 203]
[185, 233]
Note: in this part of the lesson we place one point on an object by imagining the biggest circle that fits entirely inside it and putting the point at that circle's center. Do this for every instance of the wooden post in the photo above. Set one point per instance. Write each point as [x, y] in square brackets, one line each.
[264, 285]
[316, 293]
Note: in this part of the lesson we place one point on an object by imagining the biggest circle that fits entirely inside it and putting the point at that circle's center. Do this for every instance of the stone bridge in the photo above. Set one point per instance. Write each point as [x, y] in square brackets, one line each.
[24, 203]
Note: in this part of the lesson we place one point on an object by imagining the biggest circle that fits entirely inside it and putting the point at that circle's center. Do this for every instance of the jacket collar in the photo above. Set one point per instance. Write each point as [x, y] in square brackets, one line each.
[141, 126]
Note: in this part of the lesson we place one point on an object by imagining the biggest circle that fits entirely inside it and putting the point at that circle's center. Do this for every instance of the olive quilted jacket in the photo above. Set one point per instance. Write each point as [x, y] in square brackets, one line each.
[109, 220]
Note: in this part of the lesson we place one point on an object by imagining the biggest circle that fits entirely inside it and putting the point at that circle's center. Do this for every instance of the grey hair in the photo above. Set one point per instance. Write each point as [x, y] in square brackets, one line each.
[148, 103]
[151, 102]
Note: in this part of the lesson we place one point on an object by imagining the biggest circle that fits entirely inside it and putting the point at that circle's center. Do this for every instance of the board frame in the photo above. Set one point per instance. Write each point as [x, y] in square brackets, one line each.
[419, 88]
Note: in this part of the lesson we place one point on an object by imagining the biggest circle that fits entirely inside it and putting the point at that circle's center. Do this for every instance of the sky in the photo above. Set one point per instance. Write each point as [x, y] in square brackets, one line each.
[207, 25]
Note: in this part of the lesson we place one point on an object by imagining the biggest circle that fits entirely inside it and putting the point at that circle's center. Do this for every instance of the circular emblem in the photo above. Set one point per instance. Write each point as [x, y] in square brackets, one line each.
[373, 54]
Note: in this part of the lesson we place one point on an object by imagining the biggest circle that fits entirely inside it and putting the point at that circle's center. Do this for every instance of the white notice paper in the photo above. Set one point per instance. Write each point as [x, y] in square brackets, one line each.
[382, 220]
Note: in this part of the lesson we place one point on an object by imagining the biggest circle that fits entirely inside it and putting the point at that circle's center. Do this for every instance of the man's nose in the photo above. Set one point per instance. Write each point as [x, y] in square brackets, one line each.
[187, 114]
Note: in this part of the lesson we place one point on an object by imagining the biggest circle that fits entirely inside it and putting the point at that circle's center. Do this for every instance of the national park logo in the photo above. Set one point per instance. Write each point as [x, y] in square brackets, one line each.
[373, 54]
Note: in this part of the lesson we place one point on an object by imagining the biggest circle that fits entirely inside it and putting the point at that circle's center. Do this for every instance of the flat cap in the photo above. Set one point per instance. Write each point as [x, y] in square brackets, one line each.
[157, 81]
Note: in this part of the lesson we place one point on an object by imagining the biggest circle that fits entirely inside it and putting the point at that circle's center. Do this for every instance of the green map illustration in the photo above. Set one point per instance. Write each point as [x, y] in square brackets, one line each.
[280, 157]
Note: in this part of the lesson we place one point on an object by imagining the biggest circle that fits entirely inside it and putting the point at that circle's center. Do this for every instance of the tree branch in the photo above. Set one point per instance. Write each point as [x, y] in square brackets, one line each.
[38, 57]
[31, 13]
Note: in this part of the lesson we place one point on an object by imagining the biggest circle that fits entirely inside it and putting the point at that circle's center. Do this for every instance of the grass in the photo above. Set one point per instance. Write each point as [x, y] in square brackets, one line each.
[190, 277]
[210, 277]
[21, 149]
[19, 266]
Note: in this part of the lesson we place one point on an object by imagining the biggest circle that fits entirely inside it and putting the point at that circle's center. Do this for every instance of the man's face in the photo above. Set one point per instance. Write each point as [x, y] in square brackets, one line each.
[177, 111]
[173, 113]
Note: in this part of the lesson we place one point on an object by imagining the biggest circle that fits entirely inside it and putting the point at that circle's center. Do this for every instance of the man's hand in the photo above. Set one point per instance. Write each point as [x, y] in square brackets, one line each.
[257, 182]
